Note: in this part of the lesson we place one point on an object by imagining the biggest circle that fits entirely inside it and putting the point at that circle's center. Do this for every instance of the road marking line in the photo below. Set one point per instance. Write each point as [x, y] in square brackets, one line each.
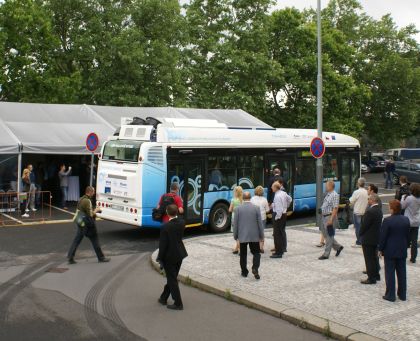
[60, 209]
[14, 219]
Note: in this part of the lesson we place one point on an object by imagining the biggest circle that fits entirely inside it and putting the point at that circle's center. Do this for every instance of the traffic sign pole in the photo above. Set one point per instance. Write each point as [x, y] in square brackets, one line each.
[92, 161]
[319, 168]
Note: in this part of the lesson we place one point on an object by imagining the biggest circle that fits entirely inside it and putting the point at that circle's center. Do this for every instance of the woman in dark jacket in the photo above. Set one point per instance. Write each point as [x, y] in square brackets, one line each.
[395, 234]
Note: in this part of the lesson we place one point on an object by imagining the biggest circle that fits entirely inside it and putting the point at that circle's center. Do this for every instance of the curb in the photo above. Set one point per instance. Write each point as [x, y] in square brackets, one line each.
[295, 316]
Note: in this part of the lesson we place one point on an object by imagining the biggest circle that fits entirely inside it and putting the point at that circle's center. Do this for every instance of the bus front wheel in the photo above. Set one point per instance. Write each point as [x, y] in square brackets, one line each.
[219, 218]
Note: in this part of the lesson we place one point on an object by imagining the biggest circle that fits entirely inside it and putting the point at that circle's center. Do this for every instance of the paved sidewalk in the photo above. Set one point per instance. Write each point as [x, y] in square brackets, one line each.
[302, 288]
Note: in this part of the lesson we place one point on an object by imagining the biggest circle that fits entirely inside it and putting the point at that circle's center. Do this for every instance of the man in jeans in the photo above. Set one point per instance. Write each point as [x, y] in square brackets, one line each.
[64, 184]
[389, 173]
[329, 210]
[359, 201]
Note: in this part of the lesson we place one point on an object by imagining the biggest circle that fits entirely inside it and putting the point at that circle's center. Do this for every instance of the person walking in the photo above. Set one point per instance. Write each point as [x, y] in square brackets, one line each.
[63, 176]
[171, 254]
[389, 173]
[26, 181]
[236, 201]
[329, 210]
[86, 227]
[359, 201]
[395, 234]
[369, 234]
[171, 198]
[281, 203]
[248, 229]
[411, 206]
[261, 202]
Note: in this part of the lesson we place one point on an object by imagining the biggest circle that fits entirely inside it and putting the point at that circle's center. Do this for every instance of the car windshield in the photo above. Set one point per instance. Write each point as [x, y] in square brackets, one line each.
[122, 150]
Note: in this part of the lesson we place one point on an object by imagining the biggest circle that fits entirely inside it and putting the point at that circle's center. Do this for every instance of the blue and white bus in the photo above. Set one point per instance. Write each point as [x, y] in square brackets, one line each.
[208, 159]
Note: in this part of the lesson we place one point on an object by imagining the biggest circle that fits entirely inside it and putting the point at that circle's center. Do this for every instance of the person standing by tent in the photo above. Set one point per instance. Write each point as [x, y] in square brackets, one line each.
[26, 180]
[63, 175]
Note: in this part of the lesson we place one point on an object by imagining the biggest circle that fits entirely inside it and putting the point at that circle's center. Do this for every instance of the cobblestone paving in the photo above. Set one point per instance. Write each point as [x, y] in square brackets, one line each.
[330, 289]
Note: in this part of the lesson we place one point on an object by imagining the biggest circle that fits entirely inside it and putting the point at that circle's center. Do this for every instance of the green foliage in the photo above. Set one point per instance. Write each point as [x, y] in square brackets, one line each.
[219, 54]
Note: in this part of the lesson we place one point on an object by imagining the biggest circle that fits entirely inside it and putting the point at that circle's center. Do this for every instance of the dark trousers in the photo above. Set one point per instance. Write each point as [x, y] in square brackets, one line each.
[370, 252]
[172, 287]
[93, 237]
[398, 266]
[414, 235]
[279, 233]
[254, 247]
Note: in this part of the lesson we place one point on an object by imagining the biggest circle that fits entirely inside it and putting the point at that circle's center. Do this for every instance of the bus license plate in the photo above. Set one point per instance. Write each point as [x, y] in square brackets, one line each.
[118, 208]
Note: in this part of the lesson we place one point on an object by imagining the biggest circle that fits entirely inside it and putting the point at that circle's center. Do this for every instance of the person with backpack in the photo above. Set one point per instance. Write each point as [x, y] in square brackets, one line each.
[171, 198]
[86, 227]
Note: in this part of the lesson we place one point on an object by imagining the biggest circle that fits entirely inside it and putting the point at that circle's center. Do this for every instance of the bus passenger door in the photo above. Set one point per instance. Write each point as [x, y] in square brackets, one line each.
[286, 163]
[189, 175]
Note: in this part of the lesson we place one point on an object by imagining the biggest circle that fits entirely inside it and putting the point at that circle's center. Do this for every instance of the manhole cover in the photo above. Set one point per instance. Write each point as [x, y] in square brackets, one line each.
[57, 270]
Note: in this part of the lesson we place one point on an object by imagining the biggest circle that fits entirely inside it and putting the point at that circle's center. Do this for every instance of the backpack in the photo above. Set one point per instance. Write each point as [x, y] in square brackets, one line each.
[158, 213]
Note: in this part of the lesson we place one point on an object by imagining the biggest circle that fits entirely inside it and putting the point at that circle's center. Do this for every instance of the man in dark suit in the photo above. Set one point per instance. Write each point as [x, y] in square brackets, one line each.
[171, 253]
[369, 234]
[248, 229]
[395, 234]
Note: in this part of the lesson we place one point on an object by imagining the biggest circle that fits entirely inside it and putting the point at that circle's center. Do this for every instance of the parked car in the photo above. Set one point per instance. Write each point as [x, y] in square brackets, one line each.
[374, 163]
[411, 169]
[364, 168]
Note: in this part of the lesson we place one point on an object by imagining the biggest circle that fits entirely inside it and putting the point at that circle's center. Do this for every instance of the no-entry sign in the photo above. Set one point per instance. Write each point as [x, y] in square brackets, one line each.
[92, 142]
[317, 147]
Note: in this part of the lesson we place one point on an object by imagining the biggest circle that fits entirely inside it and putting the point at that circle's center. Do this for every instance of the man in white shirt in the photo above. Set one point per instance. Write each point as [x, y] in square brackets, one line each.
[281, 203]
[359, 201]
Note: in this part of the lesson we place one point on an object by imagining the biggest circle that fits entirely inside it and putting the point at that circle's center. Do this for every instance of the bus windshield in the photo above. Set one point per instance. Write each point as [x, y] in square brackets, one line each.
[122, 150]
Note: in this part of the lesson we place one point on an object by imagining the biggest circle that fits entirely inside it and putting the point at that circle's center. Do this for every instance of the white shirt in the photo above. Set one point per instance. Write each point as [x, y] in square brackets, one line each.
[359, 200]
[262, 203]
[281, 202]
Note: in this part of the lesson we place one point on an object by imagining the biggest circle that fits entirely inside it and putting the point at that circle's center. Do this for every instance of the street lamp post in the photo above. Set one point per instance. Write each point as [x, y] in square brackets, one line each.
[319, 168]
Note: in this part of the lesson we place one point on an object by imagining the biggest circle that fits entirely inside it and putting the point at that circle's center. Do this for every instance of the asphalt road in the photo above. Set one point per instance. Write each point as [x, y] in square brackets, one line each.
[28, 313]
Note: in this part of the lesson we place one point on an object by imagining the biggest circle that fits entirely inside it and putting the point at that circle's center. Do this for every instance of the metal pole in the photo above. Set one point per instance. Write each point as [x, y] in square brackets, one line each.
[19, 179]
[319, 168]
[92, 160]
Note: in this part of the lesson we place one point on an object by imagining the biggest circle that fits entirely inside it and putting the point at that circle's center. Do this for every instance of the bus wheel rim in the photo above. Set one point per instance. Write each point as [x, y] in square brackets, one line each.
[220, 218]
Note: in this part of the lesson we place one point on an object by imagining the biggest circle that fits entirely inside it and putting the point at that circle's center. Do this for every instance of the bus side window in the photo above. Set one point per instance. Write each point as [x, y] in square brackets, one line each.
[221, 173]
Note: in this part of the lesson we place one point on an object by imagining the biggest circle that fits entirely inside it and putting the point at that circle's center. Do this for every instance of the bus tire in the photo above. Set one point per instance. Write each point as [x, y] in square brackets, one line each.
[219, 219]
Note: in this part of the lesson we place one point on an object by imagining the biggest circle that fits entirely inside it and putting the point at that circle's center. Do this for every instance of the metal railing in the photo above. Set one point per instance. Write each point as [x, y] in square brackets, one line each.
[18, 208]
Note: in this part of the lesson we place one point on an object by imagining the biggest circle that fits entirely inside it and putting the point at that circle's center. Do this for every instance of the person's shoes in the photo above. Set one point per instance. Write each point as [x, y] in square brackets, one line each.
[320, 245]
[27, 210]
[162, 301]
[368, 281]
[244, 274]
[388, 299]
[72, 261]
[235, 252]
[364, 272]
[323, 257]
[412, 261]
[65, 208]
[276, 255]
[402, 298]
[104, 260]
[175, 307]
[256, 274]
[339, 251]
[34, 210]
[26, 215]
[378, 278]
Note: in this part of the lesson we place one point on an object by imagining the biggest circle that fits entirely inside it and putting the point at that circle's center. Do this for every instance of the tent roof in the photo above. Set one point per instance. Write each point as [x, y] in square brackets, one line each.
[63, 128]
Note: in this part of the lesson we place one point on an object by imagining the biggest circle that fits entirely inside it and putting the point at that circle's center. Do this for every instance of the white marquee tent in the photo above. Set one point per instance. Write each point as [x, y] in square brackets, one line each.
[62, 128]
